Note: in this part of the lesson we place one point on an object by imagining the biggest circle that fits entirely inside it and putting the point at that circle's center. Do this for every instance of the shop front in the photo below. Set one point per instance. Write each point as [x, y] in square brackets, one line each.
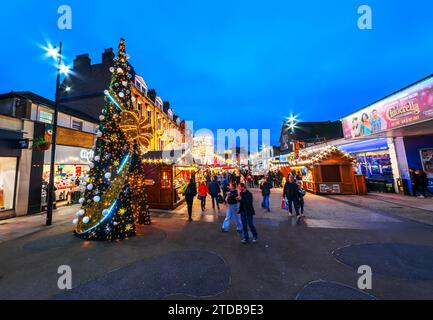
[401, 127]
[71, 168]
[10, 153]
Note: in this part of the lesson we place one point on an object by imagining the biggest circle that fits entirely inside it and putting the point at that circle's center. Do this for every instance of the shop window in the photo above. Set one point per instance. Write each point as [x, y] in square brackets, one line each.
[45, 116]
[77, 125]
[8, 170]
[331, 173]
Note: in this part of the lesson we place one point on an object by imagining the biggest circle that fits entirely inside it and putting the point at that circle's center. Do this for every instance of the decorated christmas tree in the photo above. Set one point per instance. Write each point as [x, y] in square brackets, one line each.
[115, 198]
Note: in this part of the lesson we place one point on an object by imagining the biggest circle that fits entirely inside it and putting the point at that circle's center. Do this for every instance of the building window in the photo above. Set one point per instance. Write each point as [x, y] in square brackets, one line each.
[149, 116]
[77, 125]
[45, 116]
[8, 172]
[139, 107]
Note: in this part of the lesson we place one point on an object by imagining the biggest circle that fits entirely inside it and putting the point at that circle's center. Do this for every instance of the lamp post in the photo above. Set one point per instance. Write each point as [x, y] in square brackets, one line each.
[60, 68]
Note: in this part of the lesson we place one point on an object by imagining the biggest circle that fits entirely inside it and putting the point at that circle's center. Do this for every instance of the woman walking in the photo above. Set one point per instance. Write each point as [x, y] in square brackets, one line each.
[190, 193]
[202, 192]
[232, 210]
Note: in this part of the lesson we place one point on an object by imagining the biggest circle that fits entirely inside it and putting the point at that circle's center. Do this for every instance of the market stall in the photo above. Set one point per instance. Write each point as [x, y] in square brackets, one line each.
[165, 180]
[329, 170]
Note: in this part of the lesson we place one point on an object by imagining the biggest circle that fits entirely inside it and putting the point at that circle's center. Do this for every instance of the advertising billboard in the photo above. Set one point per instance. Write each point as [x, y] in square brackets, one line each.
[411, 105]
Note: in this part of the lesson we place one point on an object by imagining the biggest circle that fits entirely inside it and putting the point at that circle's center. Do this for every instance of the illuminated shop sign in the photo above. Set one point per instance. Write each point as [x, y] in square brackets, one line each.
[70, 155]
[409, 106]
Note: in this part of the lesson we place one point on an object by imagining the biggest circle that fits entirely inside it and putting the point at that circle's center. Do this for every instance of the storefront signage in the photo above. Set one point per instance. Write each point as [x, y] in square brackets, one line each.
[412, 105]
[329, 188]
[149, 182]
[70, 155]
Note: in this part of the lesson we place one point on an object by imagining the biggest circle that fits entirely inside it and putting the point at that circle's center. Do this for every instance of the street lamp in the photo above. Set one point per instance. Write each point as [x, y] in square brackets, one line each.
[61, 69]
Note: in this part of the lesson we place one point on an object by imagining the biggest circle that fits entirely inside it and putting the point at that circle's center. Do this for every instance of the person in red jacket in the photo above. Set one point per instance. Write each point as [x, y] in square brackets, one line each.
[202, 193]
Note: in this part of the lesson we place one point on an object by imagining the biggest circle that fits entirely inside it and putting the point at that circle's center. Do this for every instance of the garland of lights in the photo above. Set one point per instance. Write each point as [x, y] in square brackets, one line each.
[115, 198]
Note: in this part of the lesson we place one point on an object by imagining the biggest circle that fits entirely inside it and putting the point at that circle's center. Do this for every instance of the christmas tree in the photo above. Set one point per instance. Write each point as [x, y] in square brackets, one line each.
[115, 198]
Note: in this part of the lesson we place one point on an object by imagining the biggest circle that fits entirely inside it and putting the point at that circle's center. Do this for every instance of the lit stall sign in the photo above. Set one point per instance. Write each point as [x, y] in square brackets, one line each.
[409, 106]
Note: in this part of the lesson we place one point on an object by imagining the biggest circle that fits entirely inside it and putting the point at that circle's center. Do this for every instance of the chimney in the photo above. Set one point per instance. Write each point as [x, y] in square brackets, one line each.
[82, 63]
[108, 57]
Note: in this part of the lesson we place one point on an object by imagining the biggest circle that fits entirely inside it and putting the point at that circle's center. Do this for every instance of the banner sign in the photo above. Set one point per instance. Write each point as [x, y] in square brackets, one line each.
[412, 105]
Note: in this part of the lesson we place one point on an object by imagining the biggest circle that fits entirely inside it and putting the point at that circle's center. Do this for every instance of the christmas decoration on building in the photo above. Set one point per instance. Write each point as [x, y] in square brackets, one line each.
[115, 197]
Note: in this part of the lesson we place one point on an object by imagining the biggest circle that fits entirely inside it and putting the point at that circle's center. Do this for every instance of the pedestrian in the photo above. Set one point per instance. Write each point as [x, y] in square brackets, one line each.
[190, 193]
[413, 180]
[215, 191]
[202, 193]
[302, 194]
[246, 210]
[225, 187]
[232, 210]
[422, 182]
[291, 193]
[266, 187]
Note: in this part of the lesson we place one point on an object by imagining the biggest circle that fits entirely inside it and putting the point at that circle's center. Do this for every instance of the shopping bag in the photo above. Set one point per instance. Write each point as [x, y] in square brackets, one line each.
[285, 204]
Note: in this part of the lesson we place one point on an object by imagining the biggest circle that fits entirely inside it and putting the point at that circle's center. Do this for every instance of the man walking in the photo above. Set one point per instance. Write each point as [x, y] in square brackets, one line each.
[266, 187]
[291, 193]
[246, 210]
[215, 190]
[190, 193]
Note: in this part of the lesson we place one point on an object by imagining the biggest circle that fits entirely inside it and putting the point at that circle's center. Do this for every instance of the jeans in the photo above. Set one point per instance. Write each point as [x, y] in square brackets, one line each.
[203, 202]
[215, 199]
[265, 202]
[190, 202]
[295, 203]
[232, 212]
[247, 221]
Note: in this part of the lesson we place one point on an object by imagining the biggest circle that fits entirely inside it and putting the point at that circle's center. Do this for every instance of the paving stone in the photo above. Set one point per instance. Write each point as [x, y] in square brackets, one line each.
[398, 260]
[327, 290]
[194, 273]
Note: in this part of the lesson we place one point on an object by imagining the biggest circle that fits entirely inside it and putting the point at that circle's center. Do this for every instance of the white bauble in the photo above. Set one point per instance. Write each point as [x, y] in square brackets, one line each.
[133, 99]
[121, 94]
[115, 223]
[91, 165]
[97, 158]
[101, 117]
[106, 92]
[90, 187]
[86, 220]
[107, 175]
[81, 212]
[81, 201]
[75, 221]
[96, 198]
[124, 83]
[105, 212]
[99, 134]
[111, 69]
[119, 70]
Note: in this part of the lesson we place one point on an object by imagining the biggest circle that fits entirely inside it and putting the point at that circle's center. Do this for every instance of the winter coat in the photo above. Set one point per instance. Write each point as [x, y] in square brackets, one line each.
[246, 204]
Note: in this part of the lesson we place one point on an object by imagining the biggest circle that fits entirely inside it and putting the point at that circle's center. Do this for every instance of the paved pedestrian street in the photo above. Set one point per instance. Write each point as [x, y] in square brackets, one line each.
[317, 258]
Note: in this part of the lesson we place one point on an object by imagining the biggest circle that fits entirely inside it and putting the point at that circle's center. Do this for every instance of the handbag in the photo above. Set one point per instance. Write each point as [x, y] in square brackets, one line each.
[285, 204]
[220, 199]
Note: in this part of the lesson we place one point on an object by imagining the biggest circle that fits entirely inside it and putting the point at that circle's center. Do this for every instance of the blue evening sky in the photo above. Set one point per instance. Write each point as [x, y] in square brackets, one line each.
[233, 64]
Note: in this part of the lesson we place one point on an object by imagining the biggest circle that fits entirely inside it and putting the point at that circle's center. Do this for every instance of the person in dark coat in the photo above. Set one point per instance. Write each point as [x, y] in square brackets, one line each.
[291, 193]
[190, 193]
[214, 191]
[247, 212]
[422, 182]
[266, 187]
